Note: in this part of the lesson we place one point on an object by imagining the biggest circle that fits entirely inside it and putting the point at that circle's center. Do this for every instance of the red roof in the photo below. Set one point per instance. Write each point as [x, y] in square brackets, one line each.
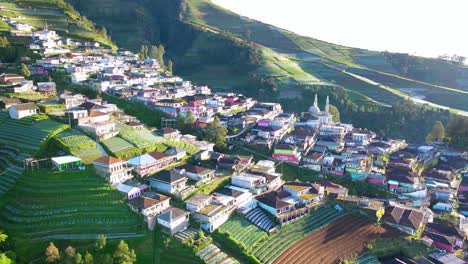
[107, 160]
[194, 104]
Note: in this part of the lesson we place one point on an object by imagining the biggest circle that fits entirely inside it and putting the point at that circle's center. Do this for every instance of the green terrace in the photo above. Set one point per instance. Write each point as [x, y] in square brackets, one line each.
[10, 167]
[78, 144]
[244, 232]
[28, 133]
[65, 205]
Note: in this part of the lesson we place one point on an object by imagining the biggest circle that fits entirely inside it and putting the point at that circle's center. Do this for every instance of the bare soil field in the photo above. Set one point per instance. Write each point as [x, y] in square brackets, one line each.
[342, 239]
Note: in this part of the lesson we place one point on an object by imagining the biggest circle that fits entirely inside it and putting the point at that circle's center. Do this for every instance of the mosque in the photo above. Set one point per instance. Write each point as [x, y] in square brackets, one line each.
[315, 117]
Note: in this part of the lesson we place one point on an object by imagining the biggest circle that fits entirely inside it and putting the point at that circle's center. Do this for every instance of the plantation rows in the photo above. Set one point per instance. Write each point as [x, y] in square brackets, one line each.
[243, 231]
[29, 137]
[10, 169]
[86, 206]
[139, 137]
[278, 242]
[211, 254]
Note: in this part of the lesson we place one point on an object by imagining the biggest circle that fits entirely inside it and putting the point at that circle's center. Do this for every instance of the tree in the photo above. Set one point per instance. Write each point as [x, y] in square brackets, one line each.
[437, 133]
[70, 255]
[143, 52]
[3, 257]
[123, 254]
[88, 258]
[379, 214]
[216, 133]
[169, 66]
[25, 71]
[101, 242]
[4, 43]
[78, 259]
[52, 253]
[336, 113]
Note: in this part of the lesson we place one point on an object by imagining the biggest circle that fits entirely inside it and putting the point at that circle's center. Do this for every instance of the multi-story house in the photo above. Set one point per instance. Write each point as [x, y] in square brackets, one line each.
[168, 182]
[173, 220]
[149, 205]
[197, 173]
[113, 170]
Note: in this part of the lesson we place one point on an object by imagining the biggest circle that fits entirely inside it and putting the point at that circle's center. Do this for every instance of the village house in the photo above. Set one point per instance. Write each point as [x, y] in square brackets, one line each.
[113, 170]
[405, 182]
[406, 220]
[234, 163]
[237, 195]
[6, 103]
[444, 237]
[47, 88]
[333, 189]
[287, 152]
[256, 184]
[149, 205]
[131, 188]
[22, 110]
[168, 182]
[173, 220]
[177, 152]
[207, 212]
[150, 162]
[197, 173]
[169, 133]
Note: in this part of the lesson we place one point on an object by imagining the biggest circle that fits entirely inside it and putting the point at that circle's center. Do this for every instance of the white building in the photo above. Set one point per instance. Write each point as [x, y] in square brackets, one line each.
[22, 110]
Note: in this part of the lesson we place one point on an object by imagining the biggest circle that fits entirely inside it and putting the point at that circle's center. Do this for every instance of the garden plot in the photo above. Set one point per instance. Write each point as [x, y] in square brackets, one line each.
[10, 170]
[140, 137]
[278, 242]
[79, 145]
[58, 204]
[211, 254]
[117, 144]
[243, 231]
[28, 134]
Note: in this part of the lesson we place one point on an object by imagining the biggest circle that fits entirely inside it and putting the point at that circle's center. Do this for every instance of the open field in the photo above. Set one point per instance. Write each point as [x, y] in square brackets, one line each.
[338, 241]
[278, 242]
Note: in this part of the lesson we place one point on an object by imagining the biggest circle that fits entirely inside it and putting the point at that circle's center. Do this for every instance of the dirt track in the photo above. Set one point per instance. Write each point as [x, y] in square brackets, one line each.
[342, 239]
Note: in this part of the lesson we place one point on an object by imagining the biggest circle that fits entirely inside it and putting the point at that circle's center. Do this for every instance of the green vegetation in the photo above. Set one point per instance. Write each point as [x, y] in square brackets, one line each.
[243, 232]
[45, 206]
[278, 242]
[385, 248]
[79, 145]
[29, 133]
[139, 137]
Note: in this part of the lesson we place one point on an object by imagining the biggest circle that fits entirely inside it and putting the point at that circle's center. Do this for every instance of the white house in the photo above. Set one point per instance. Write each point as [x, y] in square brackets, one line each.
[149, 205]
[113, 170]
[197, 202]
[22, 110]
[173, 220]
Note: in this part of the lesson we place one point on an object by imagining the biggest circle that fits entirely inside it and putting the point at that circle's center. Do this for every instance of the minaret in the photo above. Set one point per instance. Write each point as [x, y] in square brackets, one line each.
[327, 105]
[316, 101]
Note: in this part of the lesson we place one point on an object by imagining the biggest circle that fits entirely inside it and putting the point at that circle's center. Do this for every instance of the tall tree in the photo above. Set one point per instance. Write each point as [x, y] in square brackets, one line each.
[52, 253]
[437, 133]
[336, 113]
[79, 259]
[123, 254]
[25, 71]
[101, 242]
[216, 133]
[4, 43]
[379, 214]
[169, 66]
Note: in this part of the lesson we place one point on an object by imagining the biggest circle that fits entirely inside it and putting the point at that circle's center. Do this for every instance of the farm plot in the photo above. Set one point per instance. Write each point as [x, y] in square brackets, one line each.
[190, 148]
[278, 242]
[336, 242]
[117, 144]
[139, 137]
[10, 169]
[211, 254]
[79, 145]
[60, 205]
[29, 134]
[243, 231]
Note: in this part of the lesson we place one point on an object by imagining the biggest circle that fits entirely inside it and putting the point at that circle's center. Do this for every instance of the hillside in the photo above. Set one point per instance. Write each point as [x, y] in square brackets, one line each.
[226, 50]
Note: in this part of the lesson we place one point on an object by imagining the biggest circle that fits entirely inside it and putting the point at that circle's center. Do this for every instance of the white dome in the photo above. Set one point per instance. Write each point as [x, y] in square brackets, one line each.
[314, 109]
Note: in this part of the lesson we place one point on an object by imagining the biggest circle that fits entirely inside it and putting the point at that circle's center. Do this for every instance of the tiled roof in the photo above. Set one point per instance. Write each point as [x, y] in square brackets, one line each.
[108, 160]
[272, 200]
[143, 202]
[167, 177]
[173, 214]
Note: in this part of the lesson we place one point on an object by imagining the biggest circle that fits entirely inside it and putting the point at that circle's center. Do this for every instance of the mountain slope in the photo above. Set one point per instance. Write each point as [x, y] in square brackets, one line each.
[213, 45]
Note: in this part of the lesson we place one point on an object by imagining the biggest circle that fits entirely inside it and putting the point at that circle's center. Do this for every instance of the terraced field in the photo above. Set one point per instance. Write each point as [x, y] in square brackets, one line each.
[79, 145]
[280, 241]
[243, 231]
[40, 13]
[140, 137]
[117, 144]
[10, 167]
[29, 134]
[336, 242]
[48, 205]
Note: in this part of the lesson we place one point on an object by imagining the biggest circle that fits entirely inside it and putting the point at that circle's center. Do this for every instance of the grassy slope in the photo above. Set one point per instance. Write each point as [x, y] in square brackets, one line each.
[40, 13]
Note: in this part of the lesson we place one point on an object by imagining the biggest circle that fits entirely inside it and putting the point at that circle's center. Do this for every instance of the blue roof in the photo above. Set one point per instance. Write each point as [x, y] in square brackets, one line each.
[141, 160]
